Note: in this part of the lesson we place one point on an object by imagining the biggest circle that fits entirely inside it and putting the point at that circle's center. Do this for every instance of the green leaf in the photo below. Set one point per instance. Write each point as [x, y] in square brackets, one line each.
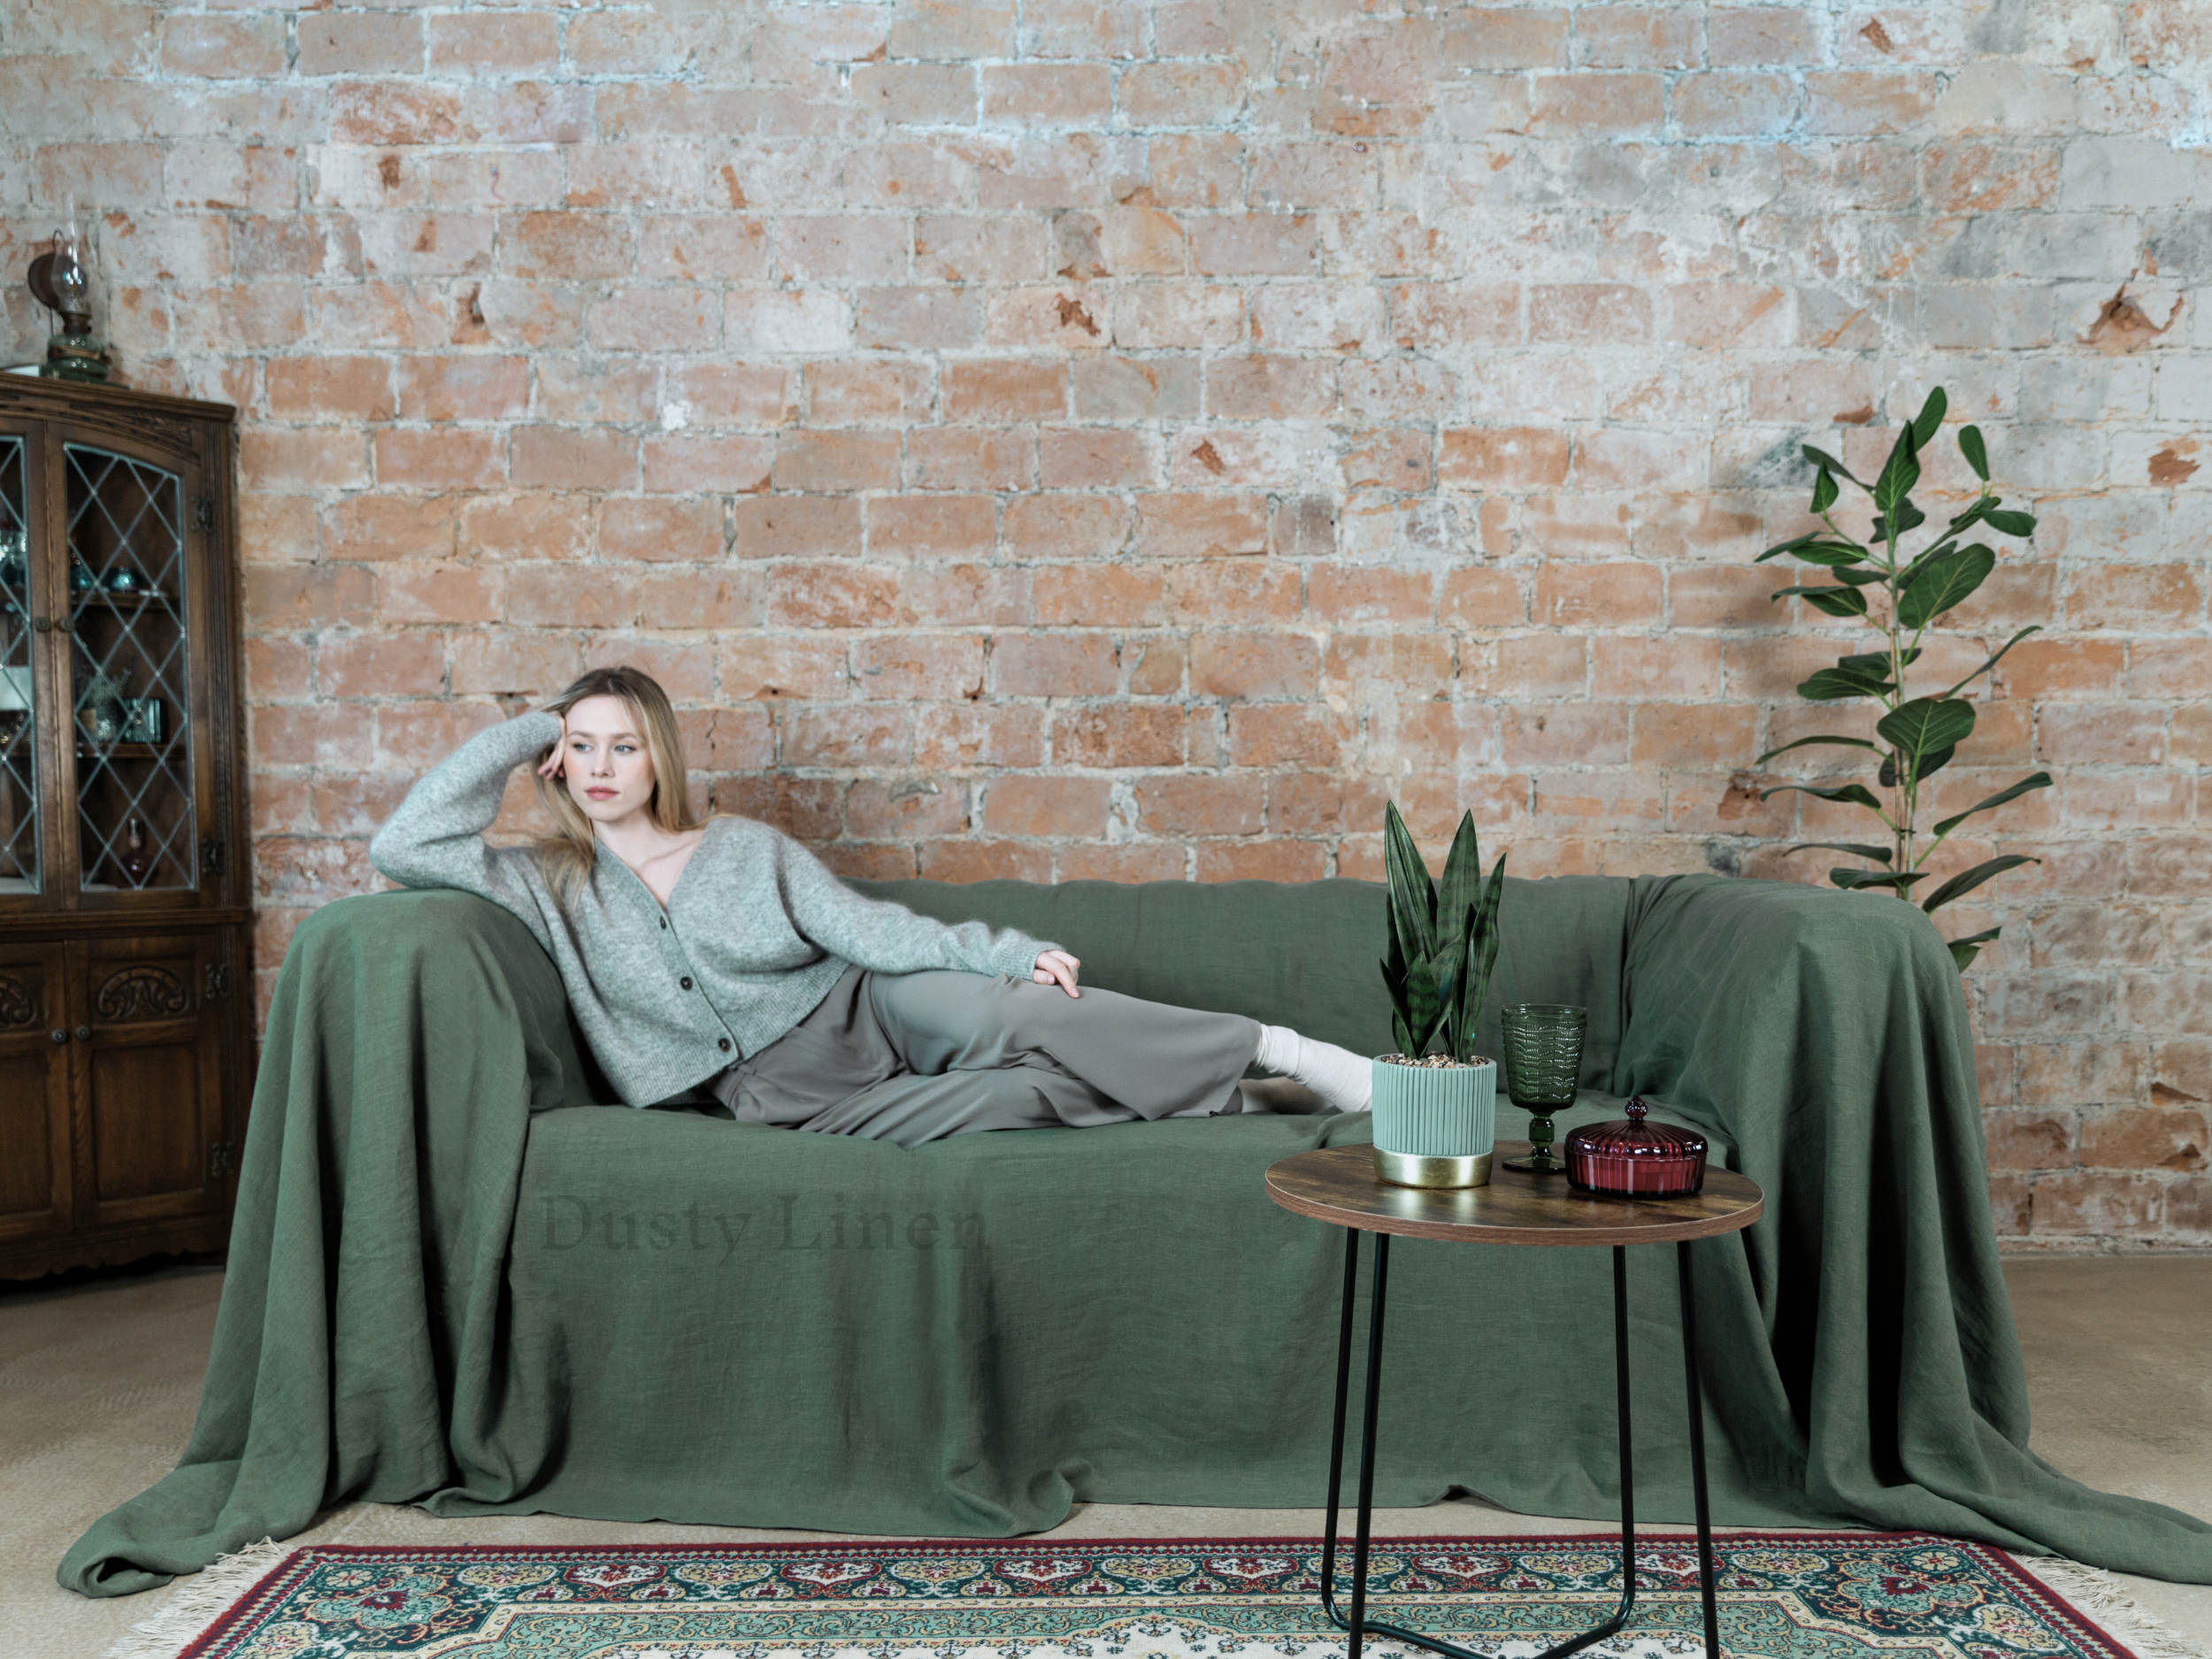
[2011, 523]
[1930, 420]
[1977, 457]
[1964, 950]
[1841, 742]
[1925, 724]
[1898, 880]
[1850, 794]
[1824, 491]
[1831, 554]
[1864, 850]
[1412, 893]
[1877, 662]
[1831, 685]
[1822, 458]
[1966, 881]
[1424, 1011]
[1993, 662]
[1909, 518]
[1926, 767]
[1836, 602]
[1899, 473]
[1483, 928]
[2038, 781]
[1859, 577]
[1455, 895]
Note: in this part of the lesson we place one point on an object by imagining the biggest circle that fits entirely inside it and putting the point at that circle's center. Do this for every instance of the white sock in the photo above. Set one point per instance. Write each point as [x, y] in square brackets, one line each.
[1338, 1075]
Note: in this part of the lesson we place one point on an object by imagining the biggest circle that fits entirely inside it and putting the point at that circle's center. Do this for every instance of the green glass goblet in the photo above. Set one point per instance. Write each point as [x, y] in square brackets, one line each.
[1543, 1072]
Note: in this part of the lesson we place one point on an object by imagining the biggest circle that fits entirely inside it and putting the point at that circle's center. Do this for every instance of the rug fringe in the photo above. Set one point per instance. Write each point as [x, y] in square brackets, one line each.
[199, 1599]
[2104, 1598]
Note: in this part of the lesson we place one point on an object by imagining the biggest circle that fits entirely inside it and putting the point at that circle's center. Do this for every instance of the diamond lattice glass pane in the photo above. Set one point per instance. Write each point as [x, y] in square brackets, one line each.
[18, 775]
[129, 672]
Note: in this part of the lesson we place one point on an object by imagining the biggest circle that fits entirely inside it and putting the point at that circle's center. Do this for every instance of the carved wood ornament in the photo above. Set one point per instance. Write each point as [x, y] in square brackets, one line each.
[145, 991]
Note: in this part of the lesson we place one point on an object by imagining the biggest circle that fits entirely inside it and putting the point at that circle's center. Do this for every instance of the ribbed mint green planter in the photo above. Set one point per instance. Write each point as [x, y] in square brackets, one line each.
[1436, 1112]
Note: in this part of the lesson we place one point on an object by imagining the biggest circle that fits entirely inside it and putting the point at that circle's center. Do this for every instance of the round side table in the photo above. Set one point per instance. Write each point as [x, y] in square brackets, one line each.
[1338, 1185]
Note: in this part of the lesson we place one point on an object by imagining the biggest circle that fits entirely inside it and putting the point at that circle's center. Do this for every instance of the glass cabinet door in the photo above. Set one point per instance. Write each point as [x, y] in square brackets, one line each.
[130, 661]
[19, 724]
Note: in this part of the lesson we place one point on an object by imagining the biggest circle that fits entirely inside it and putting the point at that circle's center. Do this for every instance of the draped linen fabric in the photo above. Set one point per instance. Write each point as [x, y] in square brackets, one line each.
[457, 1278]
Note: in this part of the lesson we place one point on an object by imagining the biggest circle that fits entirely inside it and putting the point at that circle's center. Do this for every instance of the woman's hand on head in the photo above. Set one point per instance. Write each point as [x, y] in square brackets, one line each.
[1057, 967]
[550, 766]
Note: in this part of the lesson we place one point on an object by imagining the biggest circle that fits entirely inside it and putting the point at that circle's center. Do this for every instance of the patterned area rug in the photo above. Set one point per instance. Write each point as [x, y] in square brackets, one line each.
[1786, 1596]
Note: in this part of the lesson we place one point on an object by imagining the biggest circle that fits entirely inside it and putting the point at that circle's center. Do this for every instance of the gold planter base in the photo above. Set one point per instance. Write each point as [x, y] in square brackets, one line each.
[1406, 1168]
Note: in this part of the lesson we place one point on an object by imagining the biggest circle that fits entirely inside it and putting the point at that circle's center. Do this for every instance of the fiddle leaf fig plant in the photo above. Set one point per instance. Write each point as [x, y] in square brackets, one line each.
[1901, 597]
[1443, 940]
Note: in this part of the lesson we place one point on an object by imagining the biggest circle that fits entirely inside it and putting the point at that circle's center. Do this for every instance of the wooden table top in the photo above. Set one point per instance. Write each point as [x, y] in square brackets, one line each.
[1338, 1185]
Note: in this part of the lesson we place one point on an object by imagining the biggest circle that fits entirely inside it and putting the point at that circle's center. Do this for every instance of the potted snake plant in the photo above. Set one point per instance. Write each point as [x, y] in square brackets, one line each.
[1436, 1113]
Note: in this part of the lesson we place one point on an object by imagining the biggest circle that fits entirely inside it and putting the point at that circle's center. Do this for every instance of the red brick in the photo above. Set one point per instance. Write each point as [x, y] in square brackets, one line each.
[218, 48]
[753, 669]
[550, 458]
[274, 458]
[389, 527]
[932, 527]
[441, 460]
[1066, 526]
[1270, 388]
[308, 596]
[538, 527]
[1030, 96]
[330, 388]
[921, 665]
[868, 393]
[1262, 861]
[2150, 598]
[1018, 805]
[823, 596]
[463, 389]
[1587, 104]
[846, 735]
[1053, 665]
[731, 466]
[1482, 598]
[1589, 313]
[995, 460]
[534, 665]
[1125, 863]
[1197, 804]
[1141, 735]
[1200, 525]
[1502, 457]
[796, 527]
[382, 665]
[1095, 458]
[966, 595]
[955, 860]
[1002, 392]
[631, 528]
[1254, 664]
[312, 734]
[1324, 803]
[2107, 1205]
[439, 593]
[513, 44]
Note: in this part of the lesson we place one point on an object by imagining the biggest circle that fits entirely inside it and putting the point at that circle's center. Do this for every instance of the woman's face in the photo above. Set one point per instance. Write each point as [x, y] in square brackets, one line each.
[608, 770]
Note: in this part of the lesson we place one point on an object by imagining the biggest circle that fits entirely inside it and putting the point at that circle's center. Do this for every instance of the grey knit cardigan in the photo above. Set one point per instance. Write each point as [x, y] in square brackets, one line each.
[756, 931]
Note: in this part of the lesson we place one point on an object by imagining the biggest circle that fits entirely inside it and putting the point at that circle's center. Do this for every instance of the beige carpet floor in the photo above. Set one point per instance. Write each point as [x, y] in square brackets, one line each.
[99, 1379]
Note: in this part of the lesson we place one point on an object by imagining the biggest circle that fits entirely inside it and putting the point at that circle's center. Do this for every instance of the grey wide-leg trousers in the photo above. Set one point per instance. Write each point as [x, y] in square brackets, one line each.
[911, 1057]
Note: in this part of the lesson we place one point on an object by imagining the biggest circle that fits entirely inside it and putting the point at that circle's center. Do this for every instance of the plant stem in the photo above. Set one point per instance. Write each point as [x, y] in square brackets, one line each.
[1905, 782]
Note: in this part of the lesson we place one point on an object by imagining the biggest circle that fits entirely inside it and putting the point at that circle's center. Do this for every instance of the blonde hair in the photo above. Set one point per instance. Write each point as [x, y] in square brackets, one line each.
[566, 857]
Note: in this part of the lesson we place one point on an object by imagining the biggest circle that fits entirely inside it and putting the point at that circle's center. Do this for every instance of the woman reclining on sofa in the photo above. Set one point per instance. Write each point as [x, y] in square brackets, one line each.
[719, 962]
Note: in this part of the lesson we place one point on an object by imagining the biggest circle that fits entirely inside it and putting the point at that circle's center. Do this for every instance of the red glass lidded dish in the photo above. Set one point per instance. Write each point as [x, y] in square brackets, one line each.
[1636, 1158]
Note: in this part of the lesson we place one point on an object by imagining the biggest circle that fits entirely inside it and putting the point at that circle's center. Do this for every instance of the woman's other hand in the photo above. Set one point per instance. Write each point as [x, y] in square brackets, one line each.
[550, 766]
[1057, 967]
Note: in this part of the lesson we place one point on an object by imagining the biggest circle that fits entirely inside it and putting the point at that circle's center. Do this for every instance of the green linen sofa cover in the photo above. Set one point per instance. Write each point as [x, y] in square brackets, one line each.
[457, 1280]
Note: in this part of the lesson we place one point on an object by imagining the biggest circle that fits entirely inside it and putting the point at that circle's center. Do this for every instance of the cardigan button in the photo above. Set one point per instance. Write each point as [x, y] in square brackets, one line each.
[723, 1043]
[685, 982]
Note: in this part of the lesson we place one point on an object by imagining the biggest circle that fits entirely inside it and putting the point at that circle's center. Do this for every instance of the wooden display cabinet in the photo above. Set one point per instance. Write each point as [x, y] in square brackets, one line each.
[124, 994]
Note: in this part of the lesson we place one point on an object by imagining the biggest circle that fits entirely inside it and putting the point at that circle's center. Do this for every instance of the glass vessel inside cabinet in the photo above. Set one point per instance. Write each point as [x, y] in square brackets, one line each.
[19, 736]
[129, 672]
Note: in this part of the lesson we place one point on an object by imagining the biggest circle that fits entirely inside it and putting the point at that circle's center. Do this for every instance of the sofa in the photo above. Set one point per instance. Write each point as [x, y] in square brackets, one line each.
[459, 1278]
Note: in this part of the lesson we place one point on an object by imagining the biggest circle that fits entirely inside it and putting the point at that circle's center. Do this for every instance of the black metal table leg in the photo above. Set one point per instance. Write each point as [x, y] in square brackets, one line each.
[1708, 1585]
[1356, 1625]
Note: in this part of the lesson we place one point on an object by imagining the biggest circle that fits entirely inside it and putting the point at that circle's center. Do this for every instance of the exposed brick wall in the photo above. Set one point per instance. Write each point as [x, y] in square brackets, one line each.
[1063, 439]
